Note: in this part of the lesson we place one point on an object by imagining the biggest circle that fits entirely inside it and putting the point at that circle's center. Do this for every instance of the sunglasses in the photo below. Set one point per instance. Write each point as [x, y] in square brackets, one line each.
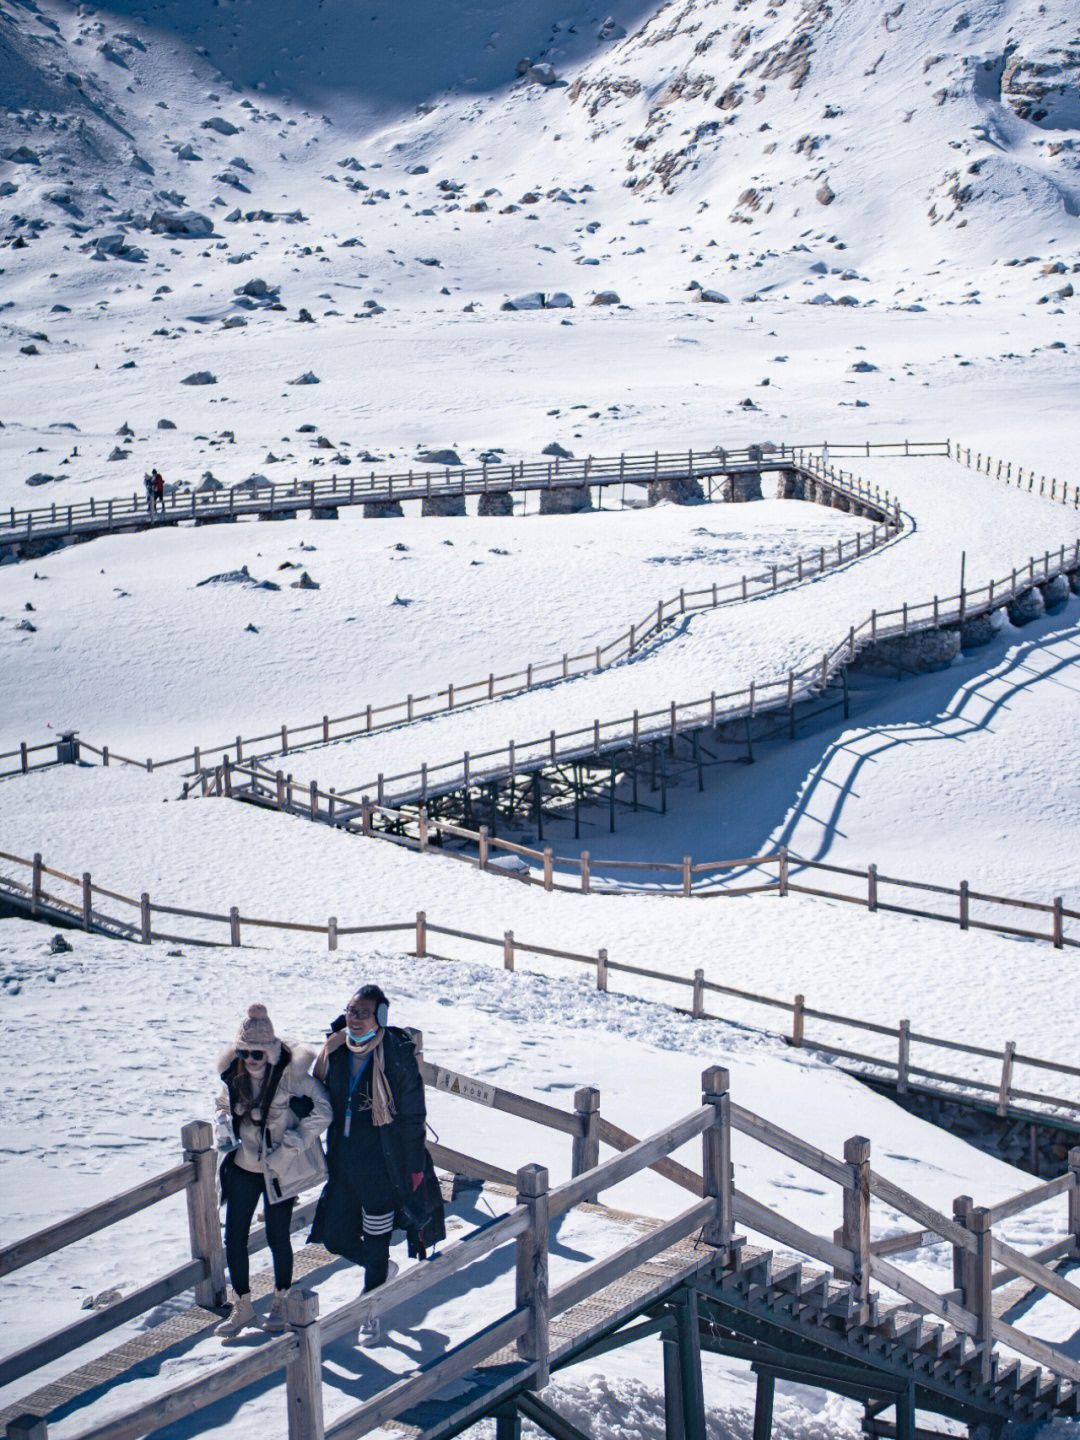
[251, 1054]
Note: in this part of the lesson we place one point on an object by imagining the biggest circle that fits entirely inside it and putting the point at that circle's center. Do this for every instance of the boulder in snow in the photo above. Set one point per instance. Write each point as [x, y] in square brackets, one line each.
[221, 125]
[558, 451]
[307, 378]
[559, 301]
[713, 297]
[605, 297]
[199, 377]
[541, 74]
[534, 300]
[439, 457]
[189, 223]
[41, 478]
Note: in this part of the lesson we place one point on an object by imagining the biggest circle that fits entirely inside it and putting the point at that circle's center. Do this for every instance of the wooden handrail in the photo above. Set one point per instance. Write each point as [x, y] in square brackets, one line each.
[1061, 1185]
[95, 1218]
[640, 1157]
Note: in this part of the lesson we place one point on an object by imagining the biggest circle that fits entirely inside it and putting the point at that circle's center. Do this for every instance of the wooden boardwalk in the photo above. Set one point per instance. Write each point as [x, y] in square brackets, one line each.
[325, 497]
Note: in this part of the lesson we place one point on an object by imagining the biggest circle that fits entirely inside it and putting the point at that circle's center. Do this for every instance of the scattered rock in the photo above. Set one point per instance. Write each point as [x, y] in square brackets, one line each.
[713, 297]
[189, 223]
[59, 946]
[118, 453]
[253, 629]
[304, 583]
[605, 297]
[199, 377]
[559, 300]
[209, 483]
[41, 478]
[534, 300]
[26, 625]
[825, 195]
[22, 155]
[307, 378]
[439, 457]
[221, 125]
[542, 74]
[557, 450]
[862, 367]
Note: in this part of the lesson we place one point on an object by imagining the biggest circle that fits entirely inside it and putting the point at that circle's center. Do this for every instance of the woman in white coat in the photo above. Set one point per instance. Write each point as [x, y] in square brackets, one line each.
[270, 1115]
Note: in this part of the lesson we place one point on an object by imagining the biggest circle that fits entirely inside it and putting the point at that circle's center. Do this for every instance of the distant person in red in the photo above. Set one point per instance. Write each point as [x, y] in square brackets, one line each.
[159, 490]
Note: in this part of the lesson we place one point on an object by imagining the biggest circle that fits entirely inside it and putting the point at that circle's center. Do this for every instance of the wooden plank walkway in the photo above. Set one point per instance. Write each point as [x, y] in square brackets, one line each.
[99, 517]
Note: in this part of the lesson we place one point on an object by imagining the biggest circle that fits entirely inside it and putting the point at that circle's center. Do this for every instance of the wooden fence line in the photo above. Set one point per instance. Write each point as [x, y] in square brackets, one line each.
[290, 739]
[851, 1255]
[907, 1074]
[1003, 470]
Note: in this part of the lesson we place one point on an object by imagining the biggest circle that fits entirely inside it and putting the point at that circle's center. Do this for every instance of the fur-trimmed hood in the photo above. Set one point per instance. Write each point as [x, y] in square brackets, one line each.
[299, 1063]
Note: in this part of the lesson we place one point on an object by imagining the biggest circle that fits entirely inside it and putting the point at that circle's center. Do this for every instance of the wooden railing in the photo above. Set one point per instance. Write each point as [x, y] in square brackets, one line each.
[299, 1352]
[850, 1253]
[288, 739]
[1048, 488]
[96, 516]
[998, 1090]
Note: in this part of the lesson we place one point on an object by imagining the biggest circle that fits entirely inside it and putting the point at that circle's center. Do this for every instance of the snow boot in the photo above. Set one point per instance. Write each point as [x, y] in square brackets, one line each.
[275, 1322]
[240, 1316]
[371, 1331]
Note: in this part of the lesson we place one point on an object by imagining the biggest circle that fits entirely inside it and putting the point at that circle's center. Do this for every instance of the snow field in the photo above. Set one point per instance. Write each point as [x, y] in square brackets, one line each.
[404, 606]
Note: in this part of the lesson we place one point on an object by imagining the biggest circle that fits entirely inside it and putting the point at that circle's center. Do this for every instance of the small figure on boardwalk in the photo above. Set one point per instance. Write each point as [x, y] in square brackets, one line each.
[148, 485]
[381, 1176]
[270, 1115]
[159, 490]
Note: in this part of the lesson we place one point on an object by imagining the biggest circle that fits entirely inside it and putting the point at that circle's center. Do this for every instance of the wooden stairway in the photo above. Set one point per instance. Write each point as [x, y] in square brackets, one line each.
[798, 1311]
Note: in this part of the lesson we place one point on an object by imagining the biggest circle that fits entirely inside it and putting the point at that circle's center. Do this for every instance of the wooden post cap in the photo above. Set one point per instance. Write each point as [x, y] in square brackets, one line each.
[532, 1180]
[302, 1307]
[857, 1149]
[587, 1099]
[27, 1427]
[197, 1135]
[1074, 1158]
[715, 1080]
[979, 1219]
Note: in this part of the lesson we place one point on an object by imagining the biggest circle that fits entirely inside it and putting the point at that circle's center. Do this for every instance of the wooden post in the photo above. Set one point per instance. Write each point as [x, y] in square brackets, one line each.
[422, 827]
[226, 773]
[782, 869]
[24, 759]
[27, 1427]
[313, 792]
[549, 866]
[856, 1229]
[508, 950]
[35, 883]
[1058, 932]
[980, 1301]
[303, 1375]
[585, 872]
[763, 1405]
[331, 933]
[586, 1147]
[144, 916]
[716, 1157]
[532, 1270]
[1006, 1077]
[204, 1226]
[964, 905]
[687, 874]
[903, 1057]
[871, 887]
[601, 970]
[421, 933]
[961, 1210]
[234, 926]
[365, 815]
[484, 847]
[687, 1328]
[87, 901]
[797, 1021]
[1074, 1200]
[697, 1008]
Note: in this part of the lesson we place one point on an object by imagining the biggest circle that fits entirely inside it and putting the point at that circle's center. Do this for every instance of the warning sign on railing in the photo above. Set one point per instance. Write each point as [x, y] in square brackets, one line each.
[467, 1088]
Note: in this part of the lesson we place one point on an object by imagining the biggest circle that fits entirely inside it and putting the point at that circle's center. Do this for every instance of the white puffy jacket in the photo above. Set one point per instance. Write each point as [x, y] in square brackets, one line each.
[284, 1145]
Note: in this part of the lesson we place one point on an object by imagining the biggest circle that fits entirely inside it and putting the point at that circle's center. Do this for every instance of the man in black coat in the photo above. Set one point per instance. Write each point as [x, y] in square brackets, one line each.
[380, 1175]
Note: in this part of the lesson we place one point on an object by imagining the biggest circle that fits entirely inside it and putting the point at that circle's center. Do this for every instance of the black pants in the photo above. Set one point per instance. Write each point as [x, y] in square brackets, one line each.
[243, 1191]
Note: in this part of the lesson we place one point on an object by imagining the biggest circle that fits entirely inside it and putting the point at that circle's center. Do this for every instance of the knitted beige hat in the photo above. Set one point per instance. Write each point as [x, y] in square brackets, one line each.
[257, 1032]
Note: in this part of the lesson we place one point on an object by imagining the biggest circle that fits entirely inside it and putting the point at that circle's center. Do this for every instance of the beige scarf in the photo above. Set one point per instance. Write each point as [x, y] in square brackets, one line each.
[382, 1101]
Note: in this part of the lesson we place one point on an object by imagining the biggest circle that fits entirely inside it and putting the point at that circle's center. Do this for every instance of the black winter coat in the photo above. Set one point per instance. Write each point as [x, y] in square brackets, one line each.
[401, 1146]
